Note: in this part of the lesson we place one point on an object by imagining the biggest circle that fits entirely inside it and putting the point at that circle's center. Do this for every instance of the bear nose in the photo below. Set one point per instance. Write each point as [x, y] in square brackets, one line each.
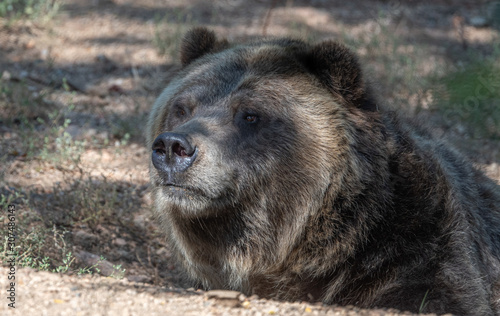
[172, 152]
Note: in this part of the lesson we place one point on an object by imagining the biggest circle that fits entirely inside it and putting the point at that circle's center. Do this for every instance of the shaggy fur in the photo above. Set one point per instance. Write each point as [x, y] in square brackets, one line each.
[303, 187]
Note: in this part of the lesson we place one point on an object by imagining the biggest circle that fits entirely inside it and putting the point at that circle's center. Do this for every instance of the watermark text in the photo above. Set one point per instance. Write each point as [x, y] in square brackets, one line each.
[11, 255]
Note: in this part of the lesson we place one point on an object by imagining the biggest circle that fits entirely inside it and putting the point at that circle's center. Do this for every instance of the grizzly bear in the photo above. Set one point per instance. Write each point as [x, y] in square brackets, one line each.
[276, 171]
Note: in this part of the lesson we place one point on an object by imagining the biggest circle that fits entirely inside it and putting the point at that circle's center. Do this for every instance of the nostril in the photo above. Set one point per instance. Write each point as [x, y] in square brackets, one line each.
[159, 151]
[159, 148]
[179, 150]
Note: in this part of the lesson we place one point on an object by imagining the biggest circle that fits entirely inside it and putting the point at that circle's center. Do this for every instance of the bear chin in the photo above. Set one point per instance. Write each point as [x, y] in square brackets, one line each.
[188, 202]
[181, 200]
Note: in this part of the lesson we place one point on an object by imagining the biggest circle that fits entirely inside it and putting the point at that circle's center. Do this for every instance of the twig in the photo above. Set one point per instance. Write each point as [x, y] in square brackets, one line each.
[268, 17]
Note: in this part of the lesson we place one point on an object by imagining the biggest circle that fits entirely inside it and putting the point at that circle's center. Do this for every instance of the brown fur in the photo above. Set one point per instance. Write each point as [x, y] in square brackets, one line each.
[295, 182]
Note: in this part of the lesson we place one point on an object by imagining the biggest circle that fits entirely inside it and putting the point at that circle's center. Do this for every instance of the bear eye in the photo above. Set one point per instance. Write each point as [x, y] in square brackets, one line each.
[251, 118]
[180, 112]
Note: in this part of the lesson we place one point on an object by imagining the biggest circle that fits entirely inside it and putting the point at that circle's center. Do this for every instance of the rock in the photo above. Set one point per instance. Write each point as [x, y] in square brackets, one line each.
[6, 75]
[139, 221]
[223, 294]
[226, 298]
[103, 267]
[120, 242]
[85, 239]
[141, 278]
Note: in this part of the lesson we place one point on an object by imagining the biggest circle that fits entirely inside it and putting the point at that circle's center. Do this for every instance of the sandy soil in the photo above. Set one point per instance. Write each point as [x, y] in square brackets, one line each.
[44, 293]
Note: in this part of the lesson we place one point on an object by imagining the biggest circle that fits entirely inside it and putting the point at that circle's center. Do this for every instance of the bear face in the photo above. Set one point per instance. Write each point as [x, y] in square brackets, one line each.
[245, 108]
[261, 146]
[275, 171]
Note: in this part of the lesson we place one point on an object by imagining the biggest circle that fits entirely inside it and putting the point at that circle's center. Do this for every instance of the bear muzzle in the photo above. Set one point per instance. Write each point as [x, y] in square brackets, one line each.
[173, 153]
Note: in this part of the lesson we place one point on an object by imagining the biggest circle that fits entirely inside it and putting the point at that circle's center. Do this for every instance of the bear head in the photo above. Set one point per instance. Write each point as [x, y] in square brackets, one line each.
[248, 142]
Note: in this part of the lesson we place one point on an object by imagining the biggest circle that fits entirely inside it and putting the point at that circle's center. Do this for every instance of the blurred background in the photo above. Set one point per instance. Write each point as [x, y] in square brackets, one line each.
[77, 80]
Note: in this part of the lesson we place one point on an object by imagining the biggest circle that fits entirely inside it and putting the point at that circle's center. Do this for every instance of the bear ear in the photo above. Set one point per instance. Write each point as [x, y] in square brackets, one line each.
[337, 67]
[198, 42]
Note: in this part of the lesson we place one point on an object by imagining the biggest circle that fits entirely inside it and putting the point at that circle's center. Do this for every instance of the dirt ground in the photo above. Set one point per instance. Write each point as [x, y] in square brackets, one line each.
[44, 293]
[81, 195]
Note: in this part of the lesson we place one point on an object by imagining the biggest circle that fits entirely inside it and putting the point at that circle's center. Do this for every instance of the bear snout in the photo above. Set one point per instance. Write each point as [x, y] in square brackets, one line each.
[173, 153]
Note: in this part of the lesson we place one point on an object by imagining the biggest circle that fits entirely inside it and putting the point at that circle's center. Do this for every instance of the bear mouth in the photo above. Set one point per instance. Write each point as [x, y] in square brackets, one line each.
[184, 201]
[182, 190]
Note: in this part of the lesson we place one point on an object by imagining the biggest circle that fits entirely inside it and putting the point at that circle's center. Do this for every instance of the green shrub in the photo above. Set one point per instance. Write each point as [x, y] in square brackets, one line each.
[470, 96]
[31, 9]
